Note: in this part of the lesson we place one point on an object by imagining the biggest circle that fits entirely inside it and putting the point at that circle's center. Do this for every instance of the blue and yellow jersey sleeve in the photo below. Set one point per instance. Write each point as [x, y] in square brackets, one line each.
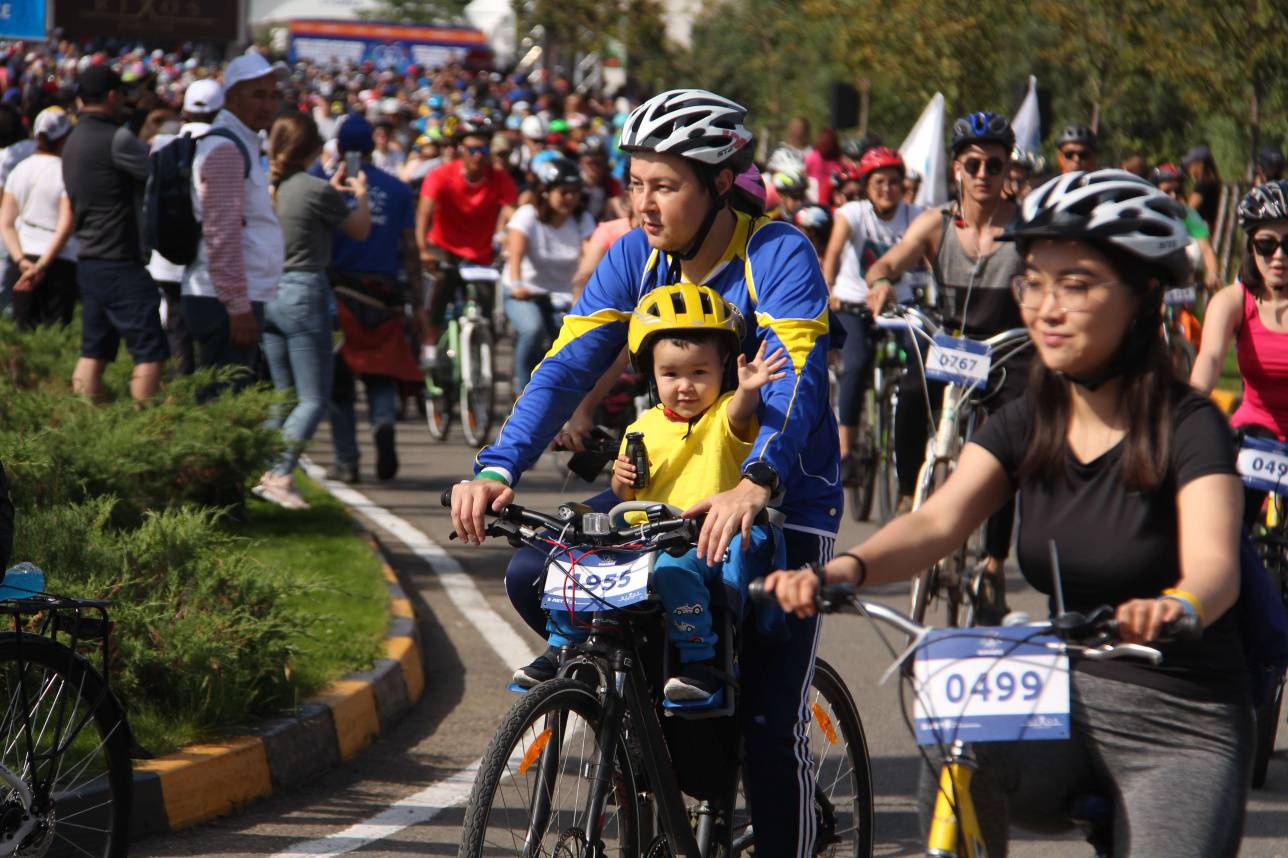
[593, 334]
[790, 298]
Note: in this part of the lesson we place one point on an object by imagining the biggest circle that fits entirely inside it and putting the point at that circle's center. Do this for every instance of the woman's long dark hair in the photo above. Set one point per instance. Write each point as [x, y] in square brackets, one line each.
[1147, 380]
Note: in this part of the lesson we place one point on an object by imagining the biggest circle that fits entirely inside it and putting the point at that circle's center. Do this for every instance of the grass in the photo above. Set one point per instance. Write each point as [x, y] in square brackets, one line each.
[347, 591]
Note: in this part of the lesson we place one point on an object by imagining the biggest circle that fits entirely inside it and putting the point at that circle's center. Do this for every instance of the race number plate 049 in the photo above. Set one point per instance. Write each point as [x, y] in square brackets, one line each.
[602, 582]
[990, 685]
[1263, 464]
[958, 361]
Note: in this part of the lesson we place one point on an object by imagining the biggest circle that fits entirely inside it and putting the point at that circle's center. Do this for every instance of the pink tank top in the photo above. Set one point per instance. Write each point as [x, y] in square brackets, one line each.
[1263, 363]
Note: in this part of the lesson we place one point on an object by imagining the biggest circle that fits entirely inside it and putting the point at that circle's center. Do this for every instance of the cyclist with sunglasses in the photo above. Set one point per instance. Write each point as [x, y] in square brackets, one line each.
[1076, 148]
[1252, 314]
[462, 203]
[974, 270]
[862, 233]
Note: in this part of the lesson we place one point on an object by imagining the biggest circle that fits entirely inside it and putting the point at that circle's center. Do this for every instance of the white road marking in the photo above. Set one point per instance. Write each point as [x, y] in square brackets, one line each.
[451, 791]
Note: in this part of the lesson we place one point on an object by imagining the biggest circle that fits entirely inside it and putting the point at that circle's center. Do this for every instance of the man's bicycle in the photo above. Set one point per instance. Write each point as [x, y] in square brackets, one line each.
[463, 371]
[969, 369]
[584, 765]
[65, 761]
[993, 684]
[1181, 328]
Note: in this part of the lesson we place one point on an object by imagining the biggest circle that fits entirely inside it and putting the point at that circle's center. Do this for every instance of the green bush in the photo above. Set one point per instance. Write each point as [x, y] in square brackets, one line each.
[133, 504]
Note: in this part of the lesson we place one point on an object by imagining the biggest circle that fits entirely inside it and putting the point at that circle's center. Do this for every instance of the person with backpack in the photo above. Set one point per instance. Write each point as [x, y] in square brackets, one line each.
[201, 102]
[240, 253]
[105, 168]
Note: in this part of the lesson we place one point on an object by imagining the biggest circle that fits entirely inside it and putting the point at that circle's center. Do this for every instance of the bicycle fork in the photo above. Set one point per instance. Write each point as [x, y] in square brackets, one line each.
[954, 823]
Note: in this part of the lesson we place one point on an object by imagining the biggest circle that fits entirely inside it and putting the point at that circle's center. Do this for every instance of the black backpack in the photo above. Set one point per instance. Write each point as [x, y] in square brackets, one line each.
[169, 225]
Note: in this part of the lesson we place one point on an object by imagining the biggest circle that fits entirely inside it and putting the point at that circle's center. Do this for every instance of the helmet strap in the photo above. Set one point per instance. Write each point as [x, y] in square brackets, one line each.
[1134, 341]
[699, 238]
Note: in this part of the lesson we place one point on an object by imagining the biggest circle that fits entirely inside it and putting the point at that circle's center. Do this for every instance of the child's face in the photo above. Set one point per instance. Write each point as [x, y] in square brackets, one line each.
[688, 376]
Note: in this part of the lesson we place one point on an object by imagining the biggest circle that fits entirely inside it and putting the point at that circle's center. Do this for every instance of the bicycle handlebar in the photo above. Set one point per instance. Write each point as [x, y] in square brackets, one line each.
[901, 316]
[1090, 635]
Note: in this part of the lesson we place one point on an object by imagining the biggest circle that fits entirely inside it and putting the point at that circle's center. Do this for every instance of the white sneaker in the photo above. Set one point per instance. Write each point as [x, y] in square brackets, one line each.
[280, 489]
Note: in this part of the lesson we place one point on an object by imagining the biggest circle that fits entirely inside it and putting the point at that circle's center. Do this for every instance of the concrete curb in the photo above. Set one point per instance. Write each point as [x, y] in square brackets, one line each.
[201, 782]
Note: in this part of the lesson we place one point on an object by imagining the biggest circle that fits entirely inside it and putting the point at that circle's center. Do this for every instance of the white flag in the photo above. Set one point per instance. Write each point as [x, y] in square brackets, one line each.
[923, 151]
[1027, 124]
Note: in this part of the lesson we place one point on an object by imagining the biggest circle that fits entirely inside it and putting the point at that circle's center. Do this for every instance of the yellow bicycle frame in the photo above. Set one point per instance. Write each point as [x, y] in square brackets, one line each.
[954, 823]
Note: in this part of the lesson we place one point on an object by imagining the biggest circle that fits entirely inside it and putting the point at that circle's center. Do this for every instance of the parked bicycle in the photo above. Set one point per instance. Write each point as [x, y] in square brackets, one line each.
[463, 371]
[582, 765]
[987, 685]
[65, 761]
[969, 369]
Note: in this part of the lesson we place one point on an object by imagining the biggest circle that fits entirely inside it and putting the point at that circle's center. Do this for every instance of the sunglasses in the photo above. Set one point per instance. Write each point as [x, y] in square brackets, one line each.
[477, 150]
[1266, 245]
[1078, 155]
[993, 166]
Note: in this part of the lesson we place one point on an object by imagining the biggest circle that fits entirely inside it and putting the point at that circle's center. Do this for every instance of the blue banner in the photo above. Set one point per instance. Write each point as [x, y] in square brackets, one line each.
[22, 19]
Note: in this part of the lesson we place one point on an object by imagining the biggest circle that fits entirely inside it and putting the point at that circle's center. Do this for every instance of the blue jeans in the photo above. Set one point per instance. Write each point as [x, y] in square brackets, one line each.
[856, 367]
[536, 324]
[776, 671]
[297, 344]
[682, 585]
[382, 410]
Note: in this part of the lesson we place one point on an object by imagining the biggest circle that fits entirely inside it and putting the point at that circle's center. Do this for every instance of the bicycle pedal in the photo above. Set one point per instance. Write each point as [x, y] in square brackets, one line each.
[715, 701]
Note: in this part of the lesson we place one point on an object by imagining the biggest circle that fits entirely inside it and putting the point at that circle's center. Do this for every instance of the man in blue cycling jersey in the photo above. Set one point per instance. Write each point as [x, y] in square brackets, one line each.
[686, 148]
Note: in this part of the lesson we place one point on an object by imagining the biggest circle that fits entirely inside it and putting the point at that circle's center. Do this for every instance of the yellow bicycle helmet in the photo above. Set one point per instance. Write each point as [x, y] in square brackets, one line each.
[682, 307]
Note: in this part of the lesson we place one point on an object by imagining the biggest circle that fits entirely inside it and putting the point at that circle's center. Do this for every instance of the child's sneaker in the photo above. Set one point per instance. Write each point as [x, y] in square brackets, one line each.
[696, 681]
[543, 667]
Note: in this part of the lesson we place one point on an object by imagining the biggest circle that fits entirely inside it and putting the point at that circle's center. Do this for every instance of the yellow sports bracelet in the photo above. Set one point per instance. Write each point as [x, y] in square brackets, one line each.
[1188, 598]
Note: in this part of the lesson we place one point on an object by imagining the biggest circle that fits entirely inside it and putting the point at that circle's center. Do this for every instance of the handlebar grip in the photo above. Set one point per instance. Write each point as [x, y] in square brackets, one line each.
[757, 594]
[446, 498]
[1185, 628]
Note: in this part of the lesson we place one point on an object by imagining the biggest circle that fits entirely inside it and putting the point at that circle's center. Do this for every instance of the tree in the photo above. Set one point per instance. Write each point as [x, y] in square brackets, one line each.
[418, 11]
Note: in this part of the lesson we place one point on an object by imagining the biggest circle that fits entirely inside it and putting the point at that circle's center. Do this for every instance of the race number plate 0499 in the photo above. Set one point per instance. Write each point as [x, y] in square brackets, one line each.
[958, 361]
[603, 582]
[1263, 464]
[990, 685]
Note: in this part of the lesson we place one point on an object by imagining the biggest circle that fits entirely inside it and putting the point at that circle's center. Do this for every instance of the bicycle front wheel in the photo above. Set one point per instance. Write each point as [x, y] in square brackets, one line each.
[477, 392]
[842, 769]
[66, 737]
[887, 488]
[866, 460]
[531, 791]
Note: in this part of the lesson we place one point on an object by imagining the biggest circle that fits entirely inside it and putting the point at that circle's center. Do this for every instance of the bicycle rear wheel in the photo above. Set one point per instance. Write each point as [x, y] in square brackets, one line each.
[529, 797]
[477, 392]
[866, 461]
[66, 737]
[843, 797]
[926, 585]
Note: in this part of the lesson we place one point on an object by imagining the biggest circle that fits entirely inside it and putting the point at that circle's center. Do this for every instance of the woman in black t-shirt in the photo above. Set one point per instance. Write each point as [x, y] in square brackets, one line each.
[1132, 475]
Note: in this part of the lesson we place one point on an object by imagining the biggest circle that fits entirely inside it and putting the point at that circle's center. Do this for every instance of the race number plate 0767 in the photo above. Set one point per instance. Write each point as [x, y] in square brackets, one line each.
[603, 582]
[958, 361]
[990, 684]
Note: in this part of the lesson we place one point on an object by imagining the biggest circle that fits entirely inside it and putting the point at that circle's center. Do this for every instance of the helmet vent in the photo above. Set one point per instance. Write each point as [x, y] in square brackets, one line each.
[677, 303]
[705, 301]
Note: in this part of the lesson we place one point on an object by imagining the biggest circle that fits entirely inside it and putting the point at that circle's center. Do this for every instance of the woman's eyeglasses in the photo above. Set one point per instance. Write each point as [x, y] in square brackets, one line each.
[1070, 295]
[993, 166]
[477, 150]
[1079, 155]
[1266, 245]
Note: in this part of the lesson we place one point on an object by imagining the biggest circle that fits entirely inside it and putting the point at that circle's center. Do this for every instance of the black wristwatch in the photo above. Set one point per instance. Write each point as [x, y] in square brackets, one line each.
[765, 476]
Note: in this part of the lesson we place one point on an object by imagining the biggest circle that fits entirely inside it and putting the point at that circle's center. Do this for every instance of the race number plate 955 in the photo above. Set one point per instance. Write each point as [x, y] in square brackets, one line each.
[990, 684]
[602, 582]
[958, 361]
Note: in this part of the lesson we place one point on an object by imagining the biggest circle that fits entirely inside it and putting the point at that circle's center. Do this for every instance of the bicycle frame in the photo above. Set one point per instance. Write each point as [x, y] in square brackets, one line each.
[955, 821]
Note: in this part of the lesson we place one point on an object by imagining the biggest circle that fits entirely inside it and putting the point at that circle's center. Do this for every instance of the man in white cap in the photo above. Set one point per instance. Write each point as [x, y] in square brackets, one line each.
[201, 101]
[241, 254]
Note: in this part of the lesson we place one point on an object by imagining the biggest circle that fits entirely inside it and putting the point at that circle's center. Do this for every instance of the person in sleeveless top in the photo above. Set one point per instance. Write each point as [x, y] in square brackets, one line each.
[974, 272]
[1254, 314]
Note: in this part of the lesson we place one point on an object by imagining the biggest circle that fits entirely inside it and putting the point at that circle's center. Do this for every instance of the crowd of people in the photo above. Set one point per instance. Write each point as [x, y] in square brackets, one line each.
[338, 197]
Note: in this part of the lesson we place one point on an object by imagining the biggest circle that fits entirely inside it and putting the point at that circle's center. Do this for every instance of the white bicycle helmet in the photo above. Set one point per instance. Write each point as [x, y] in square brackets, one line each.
[692, 123]
[785, 160]
[1112, 208]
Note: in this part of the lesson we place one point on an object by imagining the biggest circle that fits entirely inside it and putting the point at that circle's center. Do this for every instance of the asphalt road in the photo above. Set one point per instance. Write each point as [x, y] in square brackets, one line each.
[413, 774]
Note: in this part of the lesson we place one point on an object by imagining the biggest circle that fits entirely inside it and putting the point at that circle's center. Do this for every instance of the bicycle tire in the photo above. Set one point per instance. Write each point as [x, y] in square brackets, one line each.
[1267, 715]
[829, 688]
[438, 399]
[477, 391]
[551, 704]
[864, 453]
[925, 586]
[888, 476]
[82, 780]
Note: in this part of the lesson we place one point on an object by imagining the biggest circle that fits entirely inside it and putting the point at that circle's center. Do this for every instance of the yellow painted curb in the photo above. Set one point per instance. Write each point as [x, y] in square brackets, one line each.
[204, 781]
[353, 708]
[407, 654]
[401, 608]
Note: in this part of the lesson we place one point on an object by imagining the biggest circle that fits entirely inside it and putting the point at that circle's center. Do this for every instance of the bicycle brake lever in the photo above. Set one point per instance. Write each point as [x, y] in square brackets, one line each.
[1111, 652]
